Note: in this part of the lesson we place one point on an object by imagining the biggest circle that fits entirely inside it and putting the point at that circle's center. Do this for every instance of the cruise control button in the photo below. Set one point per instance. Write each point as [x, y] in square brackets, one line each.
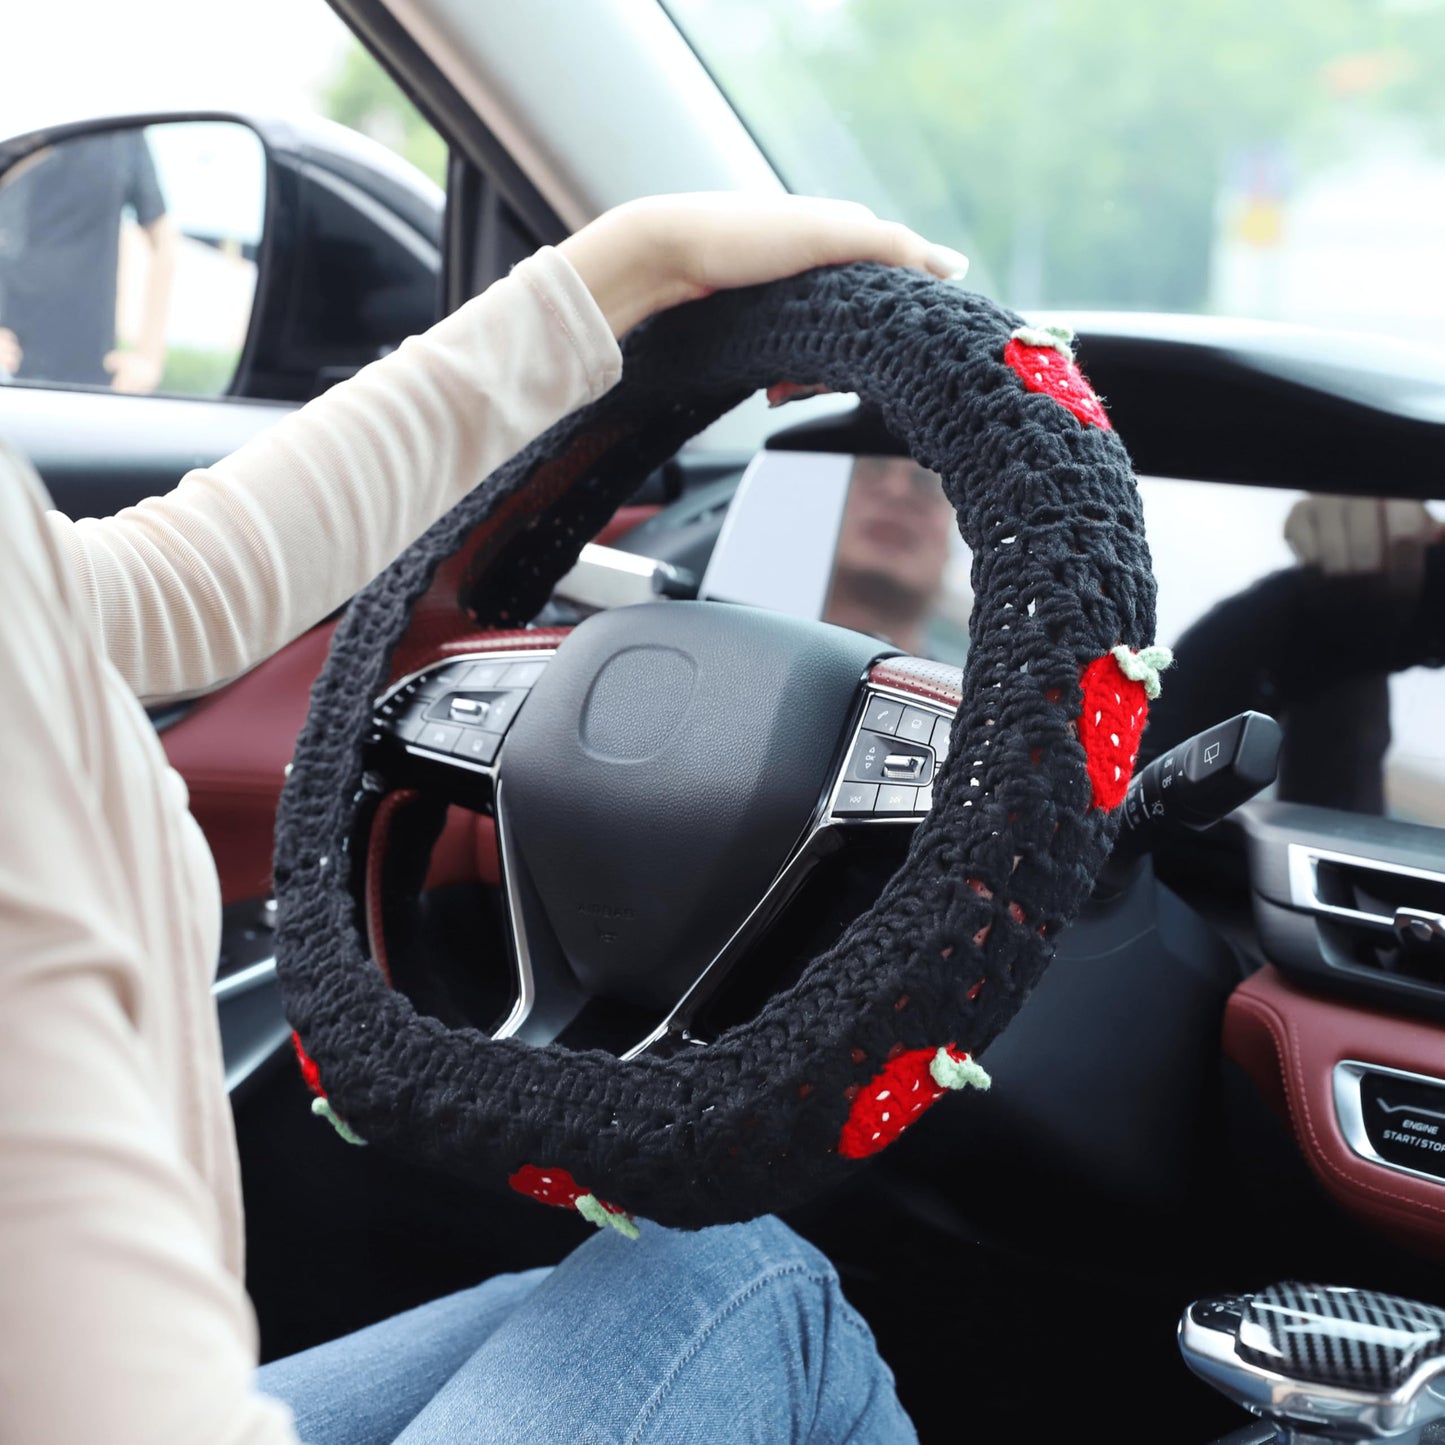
[484, 674]
[439, 737]
[523, 674]
[477, 747]
[893, 799]
[855, 800]
[502, 708]
[916, 724]
[882, 715]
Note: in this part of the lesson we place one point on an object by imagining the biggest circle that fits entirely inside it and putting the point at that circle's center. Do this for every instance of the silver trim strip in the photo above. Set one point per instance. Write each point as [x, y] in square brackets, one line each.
[257, 1055]
[1302, 862]
[1350, 1112]
[606, 577]
[244, 980]
[267, 1040]
[521, 956]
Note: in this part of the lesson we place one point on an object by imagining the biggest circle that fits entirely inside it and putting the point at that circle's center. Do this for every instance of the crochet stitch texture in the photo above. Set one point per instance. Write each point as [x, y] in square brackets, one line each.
[751, 1121]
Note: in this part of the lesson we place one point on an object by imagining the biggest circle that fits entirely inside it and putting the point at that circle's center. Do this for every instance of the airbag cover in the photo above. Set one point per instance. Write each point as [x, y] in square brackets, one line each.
[666, 765]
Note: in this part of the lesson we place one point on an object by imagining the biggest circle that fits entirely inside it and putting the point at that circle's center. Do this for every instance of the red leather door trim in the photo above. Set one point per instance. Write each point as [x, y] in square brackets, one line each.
[232, 749]
[1289, 1042]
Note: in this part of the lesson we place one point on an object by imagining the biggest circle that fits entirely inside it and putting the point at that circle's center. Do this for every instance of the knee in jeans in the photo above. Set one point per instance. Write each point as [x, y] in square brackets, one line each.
[755, 1248]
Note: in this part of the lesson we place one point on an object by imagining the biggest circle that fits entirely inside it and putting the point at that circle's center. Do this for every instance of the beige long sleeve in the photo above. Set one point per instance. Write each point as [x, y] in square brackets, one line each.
[189, 590]
[122, 1314]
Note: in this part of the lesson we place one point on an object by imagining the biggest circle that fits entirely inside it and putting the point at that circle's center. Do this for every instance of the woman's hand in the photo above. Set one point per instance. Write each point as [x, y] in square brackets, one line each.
[648, 255]
[10, 352]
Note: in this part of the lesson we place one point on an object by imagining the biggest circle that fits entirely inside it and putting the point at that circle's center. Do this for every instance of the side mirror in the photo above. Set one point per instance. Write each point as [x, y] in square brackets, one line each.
[209, 254]
[128, 256]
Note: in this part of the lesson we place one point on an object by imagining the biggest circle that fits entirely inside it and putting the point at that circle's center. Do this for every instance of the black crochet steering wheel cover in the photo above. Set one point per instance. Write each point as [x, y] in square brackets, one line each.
[750, 1122]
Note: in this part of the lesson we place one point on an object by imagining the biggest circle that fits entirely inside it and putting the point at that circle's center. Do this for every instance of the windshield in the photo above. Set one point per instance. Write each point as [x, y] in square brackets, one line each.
[1282, 160]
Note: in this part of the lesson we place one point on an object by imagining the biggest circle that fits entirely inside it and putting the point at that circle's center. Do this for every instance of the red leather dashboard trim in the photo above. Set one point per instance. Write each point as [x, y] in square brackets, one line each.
[376, 846]
[465, 851]
[936, 681]
[1289, 1042]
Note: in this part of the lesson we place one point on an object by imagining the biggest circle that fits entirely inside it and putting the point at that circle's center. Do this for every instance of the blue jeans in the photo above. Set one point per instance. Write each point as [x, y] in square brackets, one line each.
[734, 1334]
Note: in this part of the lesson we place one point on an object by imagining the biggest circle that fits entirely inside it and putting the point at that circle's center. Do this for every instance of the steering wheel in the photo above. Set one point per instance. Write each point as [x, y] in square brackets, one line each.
[661, 774]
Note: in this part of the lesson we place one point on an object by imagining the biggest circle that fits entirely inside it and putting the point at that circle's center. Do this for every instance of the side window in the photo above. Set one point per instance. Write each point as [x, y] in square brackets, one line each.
[129, 258]
[360, 94]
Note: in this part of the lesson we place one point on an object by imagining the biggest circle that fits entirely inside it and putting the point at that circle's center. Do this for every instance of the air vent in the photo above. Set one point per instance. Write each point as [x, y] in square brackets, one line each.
[1382, 918]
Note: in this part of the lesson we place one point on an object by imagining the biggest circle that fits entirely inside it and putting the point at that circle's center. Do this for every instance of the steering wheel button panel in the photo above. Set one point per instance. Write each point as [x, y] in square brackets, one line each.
[459, 709]
[890, 766]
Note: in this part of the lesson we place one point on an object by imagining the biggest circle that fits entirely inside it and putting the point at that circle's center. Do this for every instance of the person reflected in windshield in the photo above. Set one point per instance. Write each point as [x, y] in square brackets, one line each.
[894, 548]
[1314, 646]
[61, 214]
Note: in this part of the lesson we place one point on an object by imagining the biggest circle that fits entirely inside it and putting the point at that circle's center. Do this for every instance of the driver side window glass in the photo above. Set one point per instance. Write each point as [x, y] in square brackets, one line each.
[128, 259]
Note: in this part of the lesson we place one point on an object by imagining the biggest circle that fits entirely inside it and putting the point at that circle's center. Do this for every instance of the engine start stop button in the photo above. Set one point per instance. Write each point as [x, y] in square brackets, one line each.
[1404, 1120]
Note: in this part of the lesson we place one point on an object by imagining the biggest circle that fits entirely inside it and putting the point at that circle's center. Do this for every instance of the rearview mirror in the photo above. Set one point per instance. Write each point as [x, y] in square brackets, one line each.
[128, 256]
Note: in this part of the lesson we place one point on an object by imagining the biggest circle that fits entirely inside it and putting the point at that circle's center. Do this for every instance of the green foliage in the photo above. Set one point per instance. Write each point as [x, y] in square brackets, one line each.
[1077, 150]
[198, 371]
[363, 96]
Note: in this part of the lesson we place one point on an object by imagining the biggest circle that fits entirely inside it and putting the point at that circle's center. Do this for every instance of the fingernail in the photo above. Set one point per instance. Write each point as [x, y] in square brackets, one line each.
[944, 261]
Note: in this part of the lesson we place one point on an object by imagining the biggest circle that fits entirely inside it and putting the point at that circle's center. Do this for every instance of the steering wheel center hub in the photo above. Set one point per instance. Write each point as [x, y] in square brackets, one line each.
[666, 766]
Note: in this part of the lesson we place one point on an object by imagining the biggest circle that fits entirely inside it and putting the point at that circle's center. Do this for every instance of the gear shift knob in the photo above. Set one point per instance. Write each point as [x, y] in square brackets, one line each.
[1326, 1363]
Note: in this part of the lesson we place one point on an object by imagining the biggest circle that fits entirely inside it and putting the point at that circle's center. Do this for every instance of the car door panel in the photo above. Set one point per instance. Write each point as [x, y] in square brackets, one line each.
[98, 451]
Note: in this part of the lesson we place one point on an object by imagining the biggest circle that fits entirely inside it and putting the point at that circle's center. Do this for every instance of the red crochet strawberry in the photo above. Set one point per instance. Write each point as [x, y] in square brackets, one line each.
[557, 1187]
[908, 1083]
[1118, 688]
[1043, 359]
